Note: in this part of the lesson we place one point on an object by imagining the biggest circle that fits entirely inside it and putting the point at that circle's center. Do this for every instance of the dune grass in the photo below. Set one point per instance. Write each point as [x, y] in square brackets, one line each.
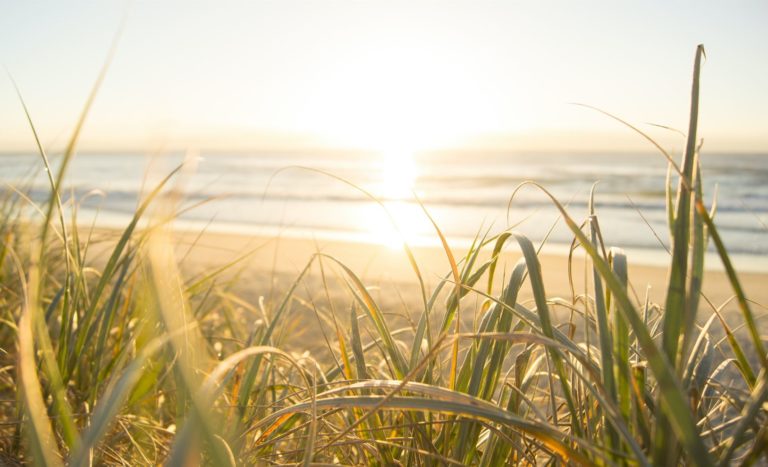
[126, 360]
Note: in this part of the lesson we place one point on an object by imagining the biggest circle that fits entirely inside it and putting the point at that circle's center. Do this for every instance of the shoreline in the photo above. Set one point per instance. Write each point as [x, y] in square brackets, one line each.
[640, 256]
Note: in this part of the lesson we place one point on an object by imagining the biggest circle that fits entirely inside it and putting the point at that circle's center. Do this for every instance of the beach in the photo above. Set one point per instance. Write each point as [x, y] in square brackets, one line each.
[347, 305]
[383, 233]
[380, 266]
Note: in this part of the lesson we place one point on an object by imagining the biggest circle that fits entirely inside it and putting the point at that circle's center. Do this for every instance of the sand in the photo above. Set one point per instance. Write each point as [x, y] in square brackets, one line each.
[267, 267]
[383, 266]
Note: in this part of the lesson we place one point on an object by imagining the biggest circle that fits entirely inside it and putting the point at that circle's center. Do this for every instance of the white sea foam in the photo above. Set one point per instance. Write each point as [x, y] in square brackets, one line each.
[466, 193]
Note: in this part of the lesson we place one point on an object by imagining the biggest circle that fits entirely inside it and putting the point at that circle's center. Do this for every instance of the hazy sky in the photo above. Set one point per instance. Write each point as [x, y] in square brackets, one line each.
[383, 74]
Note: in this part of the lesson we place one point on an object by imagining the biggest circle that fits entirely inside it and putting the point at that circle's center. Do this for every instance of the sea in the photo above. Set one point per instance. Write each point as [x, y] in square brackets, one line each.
[389, 198]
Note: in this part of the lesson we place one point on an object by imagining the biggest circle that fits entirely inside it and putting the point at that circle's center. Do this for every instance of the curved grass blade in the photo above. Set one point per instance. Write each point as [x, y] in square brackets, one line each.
[477, 409]
[203, 400]
[752, 407]
[456, 294]
[736, 285]
[537, 283]
[378, 319]
[673, 402]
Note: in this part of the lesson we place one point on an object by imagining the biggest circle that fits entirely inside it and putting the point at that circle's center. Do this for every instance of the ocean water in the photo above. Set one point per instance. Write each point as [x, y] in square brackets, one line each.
[467, 194]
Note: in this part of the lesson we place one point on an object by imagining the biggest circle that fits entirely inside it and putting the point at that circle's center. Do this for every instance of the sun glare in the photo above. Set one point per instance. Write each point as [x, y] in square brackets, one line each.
[397, 173]
[395, 104]
[408, 224]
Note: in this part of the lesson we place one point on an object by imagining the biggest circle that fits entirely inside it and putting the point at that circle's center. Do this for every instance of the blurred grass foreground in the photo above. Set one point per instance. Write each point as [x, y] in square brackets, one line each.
[112, 353]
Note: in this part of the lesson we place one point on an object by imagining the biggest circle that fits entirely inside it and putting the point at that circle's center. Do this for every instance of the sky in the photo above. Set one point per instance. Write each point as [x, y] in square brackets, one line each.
[383, 76]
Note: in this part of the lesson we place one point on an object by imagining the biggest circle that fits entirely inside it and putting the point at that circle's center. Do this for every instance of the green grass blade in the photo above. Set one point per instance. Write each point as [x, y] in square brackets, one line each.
[673, 401]
[111, 267]
[69, 151]
[370, 306]
[741, 297]
[40, 434]
[250, 375]
[675, 305]
[472, 408]
[456, 294]
[620, 330]
[537, 283]
[357, 346]
[115, 395]
[696, 276]
[495, 256]
[605, 338]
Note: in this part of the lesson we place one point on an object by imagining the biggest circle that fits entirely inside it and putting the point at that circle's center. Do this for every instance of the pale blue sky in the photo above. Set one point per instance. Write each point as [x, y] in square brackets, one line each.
[383, 74]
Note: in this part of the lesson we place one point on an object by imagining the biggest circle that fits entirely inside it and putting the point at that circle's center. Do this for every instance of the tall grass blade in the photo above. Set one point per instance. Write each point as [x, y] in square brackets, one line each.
[675, 305]
[741, 297]
[673, 401]
[110, 268]
[605, 338]
[537, 283]
[620, 331]
[370, 306]
[456, 295]
[40, 434]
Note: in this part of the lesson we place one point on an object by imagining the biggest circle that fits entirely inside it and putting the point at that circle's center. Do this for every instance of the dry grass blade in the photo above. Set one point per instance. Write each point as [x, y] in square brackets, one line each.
[478, 409]
[752, 408]
[456, 293]
[116, 393]
[369, 304]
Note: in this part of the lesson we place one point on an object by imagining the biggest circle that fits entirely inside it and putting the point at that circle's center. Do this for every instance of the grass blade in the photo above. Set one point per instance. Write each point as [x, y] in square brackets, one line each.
[673, 401]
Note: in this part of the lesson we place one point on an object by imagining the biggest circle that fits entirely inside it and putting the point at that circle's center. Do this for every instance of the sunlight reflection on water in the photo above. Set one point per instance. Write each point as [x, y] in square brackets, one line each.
[395, 187]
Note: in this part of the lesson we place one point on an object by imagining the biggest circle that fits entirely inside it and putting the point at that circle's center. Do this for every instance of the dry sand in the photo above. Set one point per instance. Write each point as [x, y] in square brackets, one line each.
[384, 267]
[269, 266]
